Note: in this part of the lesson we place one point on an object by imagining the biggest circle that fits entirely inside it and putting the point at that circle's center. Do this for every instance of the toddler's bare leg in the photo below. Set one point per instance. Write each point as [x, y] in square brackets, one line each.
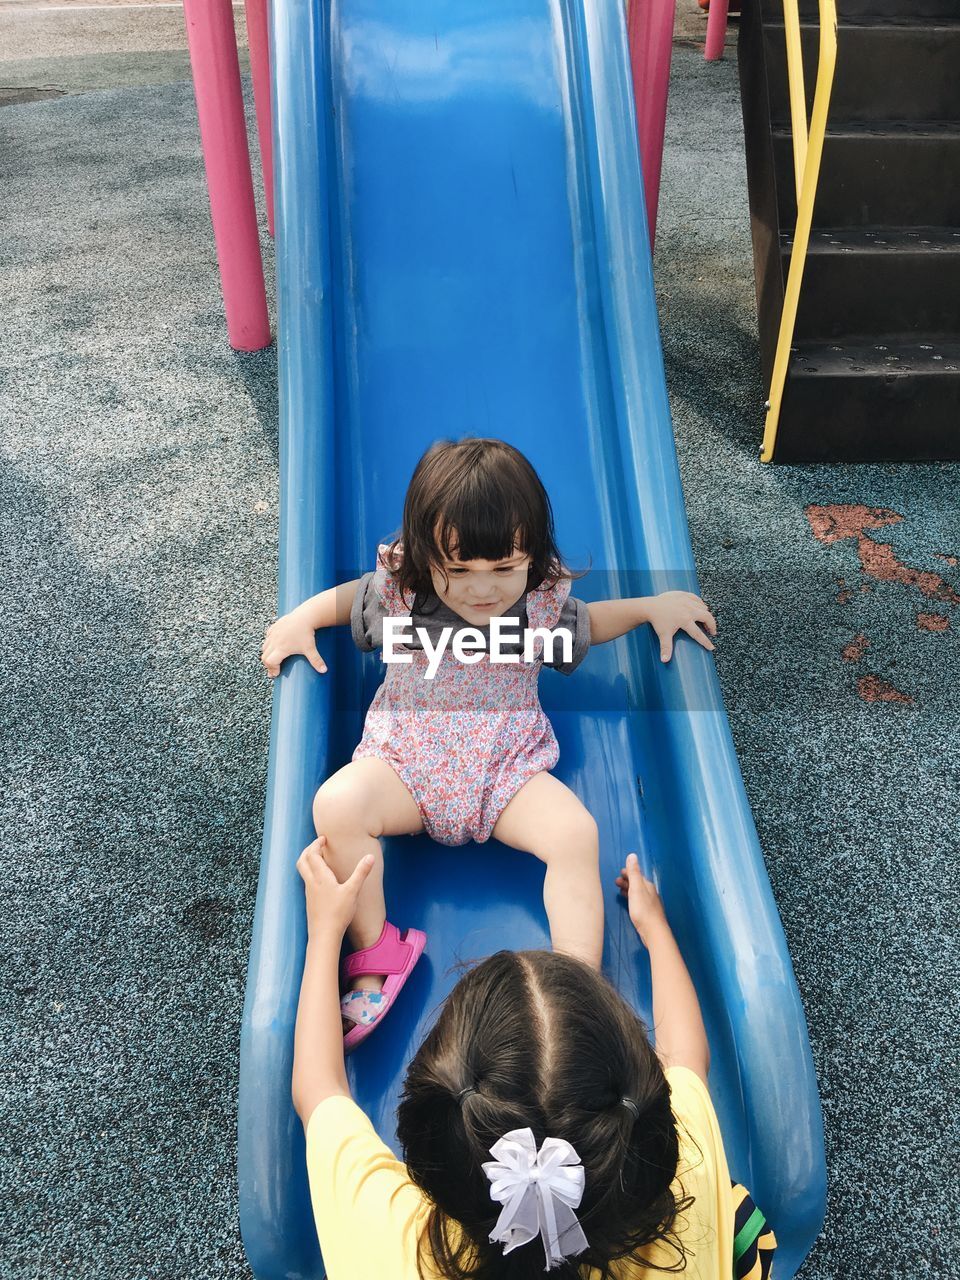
[355, 806]
[546, 819]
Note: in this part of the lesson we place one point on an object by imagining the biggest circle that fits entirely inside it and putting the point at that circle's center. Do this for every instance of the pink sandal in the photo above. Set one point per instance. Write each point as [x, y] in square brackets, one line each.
[391, 955]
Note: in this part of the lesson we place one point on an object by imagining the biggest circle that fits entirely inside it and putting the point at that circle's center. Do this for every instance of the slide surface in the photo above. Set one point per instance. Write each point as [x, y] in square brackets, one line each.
[462, 249]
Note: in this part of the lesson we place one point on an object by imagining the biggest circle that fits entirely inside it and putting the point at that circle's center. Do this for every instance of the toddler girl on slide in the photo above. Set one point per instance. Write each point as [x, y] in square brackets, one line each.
[455, 744]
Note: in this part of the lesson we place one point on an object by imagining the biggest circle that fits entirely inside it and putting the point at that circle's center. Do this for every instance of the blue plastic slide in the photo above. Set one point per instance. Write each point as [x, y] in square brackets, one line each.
[462, 249]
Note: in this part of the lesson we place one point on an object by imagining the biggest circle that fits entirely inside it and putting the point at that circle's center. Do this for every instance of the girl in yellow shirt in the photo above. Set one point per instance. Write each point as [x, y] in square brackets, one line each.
[541, 1130]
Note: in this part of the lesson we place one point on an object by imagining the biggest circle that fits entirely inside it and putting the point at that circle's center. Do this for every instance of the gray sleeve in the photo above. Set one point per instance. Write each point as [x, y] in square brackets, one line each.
[575, 616]
[366, 616]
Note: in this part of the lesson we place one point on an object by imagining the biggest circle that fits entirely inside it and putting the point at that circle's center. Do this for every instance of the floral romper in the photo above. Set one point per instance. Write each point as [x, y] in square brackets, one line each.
[466, 741]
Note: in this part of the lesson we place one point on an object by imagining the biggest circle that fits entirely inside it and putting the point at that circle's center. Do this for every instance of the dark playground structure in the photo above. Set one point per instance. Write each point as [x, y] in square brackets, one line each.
[874, 362]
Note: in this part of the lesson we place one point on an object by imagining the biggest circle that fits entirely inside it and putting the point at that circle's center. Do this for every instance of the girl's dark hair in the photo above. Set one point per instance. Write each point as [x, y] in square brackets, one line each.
[539, 1040]
[473, 499]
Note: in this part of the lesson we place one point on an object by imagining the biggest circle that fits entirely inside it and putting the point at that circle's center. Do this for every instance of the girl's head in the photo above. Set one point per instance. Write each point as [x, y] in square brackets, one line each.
[539, 1040]
[477, 529]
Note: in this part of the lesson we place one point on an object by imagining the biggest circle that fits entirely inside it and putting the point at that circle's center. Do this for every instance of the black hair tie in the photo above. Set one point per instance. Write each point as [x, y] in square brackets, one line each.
[465, 1093]
[631, 1106]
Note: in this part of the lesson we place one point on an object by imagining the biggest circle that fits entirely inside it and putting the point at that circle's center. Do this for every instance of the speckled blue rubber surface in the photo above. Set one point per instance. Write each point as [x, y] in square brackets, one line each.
[462, 248]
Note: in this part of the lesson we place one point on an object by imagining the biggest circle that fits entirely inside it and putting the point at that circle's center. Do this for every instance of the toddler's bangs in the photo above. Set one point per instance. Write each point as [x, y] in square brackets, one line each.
[473, 531]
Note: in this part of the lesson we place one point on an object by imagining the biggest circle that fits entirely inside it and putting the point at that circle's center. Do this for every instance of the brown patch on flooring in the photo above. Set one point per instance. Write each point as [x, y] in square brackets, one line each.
[847, 520]
[952, 560]
[932, 622]
[857, 647]
[879, 562]
[873, 689]
[877, 559]
[844, 596]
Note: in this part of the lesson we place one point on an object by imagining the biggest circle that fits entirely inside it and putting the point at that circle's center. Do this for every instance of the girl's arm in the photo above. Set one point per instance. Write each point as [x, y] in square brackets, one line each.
[318, 1070]
[679, 1034]
[296, 631]
[667, 613]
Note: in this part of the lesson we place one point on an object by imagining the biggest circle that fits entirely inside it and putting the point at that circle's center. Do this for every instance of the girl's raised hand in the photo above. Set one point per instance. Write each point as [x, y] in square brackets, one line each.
[330, 904]
[643, 901]
[674, 611]
[293, 633]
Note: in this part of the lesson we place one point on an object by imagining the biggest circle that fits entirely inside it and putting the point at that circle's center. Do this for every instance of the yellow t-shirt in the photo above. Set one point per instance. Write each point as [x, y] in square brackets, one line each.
[369, 1214]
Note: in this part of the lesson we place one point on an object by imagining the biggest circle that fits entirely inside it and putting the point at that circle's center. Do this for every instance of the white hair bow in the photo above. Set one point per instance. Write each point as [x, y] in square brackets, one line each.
[539, 1191]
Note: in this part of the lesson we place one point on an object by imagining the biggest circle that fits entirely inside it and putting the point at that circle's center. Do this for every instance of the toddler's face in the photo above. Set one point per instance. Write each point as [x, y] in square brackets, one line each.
[479, 590]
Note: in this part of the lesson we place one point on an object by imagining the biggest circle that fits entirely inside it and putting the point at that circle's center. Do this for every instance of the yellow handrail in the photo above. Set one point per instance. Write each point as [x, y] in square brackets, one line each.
[798, 94]
[807, 157]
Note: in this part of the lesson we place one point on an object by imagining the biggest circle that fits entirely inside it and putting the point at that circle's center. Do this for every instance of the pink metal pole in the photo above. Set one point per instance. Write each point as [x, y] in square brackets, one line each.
[223, 134]
[650, 32]
[716, 29]
[259, 43]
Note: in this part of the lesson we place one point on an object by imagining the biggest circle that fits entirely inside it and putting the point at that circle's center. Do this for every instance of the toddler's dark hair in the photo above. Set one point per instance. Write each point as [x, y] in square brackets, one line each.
[546, 1043]
[473, 499]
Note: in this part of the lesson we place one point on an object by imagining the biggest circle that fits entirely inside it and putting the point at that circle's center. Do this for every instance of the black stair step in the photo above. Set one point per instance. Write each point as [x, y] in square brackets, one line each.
[852, 10]
[903, 281]
[884, 400]
[876, 175]
[906, 71]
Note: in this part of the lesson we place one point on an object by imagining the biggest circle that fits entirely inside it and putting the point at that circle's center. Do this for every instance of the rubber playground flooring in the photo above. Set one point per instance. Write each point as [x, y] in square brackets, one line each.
[138, 498]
